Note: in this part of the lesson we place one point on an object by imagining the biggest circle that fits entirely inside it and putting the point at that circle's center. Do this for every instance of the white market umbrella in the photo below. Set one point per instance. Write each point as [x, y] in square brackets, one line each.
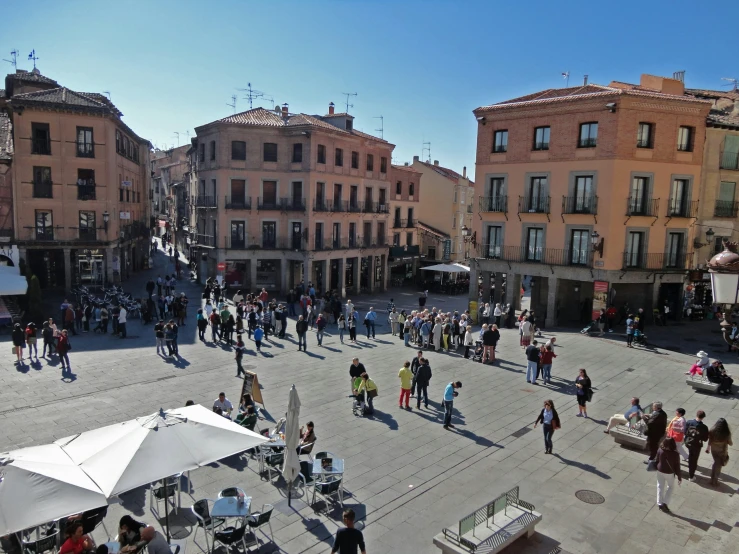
[40, 484]
[144, 450]
[447, 268]
[291, 465]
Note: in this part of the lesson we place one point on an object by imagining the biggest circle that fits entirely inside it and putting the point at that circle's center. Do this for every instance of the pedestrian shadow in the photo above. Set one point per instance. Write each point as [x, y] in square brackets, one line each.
[312, 355]
[562, 387]
[179, 362]
[134, 500]
[366, 344]
[266, 355]
[22, 368]
[481, 441]
[332, 349]
[382, 341]
[69, 377]
[702, 525]
[724, 477]
[37, 365]
[585, 467]
[385, 418]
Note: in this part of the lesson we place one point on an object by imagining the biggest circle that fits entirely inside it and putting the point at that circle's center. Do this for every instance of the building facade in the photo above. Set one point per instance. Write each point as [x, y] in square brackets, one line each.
[168, 194]
[447, 208]
[6, 190]
[80, 180]
[405, 203]
[278, 198]
[592, 191]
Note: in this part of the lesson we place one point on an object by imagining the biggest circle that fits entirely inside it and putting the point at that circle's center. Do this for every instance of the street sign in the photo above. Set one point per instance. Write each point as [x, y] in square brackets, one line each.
[221, 266]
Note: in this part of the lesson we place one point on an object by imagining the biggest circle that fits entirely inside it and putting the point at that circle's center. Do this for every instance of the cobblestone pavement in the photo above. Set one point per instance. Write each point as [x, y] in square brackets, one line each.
[406, 477]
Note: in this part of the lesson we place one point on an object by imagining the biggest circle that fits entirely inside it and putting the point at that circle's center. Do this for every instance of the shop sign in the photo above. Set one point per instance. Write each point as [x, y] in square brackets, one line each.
[447, 249]
[125, 215]
[600, 298]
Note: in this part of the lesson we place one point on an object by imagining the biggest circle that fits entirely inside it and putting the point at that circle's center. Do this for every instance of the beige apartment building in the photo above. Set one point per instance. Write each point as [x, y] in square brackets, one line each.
[280, 197]
[80, 181]
[8, 252]
[447, 208]
[592, 191]
[405, 202]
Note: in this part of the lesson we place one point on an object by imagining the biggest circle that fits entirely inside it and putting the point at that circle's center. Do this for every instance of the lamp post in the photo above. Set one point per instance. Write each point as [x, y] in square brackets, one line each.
[724, 270]
[106, 219]
[597, 242]
[468, 239]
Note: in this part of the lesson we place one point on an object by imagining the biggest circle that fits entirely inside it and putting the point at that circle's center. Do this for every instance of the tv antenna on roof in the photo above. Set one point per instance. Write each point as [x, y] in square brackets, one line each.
[107, 93]
[382, 126]
[251, 94]
[32, 56]
[233, 102]
[733, 82]
[566, 77]
[348, 105]
[14, 61]
[177, 134]
[426, 147]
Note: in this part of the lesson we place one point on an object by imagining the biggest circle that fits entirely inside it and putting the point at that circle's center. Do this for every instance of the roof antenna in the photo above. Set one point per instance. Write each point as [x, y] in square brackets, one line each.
[107, 93]
[177, 134]
[233, 102]
[732, 83]
[566, 77]
[348, 94]
[382, 126]
[32, 56]
[14, 61]
[426, 147]
[251, 94]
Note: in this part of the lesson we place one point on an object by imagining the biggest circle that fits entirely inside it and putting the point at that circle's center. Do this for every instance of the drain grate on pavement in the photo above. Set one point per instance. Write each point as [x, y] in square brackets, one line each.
[590, 497]
[521, 432]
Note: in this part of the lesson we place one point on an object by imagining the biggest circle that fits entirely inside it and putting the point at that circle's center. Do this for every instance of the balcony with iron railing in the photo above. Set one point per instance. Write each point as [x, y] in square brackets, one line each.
[729, 160]
[293, 204]
[670, 261]
[497, 204]
[400, 223]
[43, 189]
[533, 204]
[680, 208]
[205, 201]
[580, 205]
[236, 243]
[412, 223]
[85, 150]
[725, 208]
[353, 242]
[41, 147]
[469, 208]
[642, 207]
[6, 233]
[238, 202]
[86, 191]
[201, 239]
[87, 234]
[321, 205]
[45, 234]
[355, 206]
[340, 206]
[548, 256]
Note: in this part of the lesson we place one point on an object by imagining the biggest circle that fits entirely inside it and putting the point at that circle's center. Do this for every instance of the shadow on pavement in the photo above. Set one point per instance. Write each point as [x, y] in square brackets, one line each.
[582, 466]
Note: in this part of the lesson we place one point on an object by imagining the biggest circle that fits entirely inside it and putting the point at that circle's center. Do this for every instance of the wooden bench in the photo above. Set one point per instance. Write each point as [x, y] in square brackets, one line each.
[491, 528]
[699, 382]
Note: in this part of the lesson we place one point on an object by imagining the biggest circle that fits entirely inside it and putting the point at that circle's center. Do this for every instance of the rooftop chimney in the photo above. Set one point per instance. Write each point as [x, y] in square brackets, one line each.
[331, 109]
[584, 80]
[415, 158]
[284, 110]
[436, 162]
[406, 164]
[464, 172]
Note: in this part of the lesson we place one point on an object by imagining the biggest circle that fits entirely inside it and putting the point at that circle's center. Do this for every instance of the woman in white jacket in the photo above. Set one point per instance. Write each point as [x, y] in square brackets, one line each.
[526, 330]
[436, 335]
[497, 313]
[467, 341]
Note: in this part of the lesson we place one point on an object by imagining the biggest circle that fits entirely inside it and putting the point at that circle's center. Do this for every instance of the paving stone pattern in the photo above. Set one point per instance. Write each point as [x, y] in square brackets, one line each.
[406, 477]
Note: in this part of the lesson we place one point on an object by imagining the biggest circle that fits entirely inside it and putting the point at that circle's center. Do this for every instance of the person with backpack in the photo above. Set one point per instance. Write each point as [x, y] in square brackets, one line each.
[696, 433]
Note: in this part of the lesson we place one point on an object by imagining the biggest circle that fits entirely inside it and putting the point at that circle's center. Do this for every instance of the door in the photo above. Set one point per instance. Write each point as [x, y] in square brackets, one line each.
[269, 194]
[238, 234]
[368, 207]
[725, 202]
[269, 234]
[535, 245]
[353, 197]
[352, 235]
[675, 254]
[494, 241]
[44, 225]
[319, 236]
[337, 197]
[583, 194]
[297, 236]
[678, 195]
[579, 240]
[238, 192]
[336, 236]
[536, 194]
[634, 249]
[637, 202]
[495, 198]
[383, 199]
[367, 233]
[297, 197]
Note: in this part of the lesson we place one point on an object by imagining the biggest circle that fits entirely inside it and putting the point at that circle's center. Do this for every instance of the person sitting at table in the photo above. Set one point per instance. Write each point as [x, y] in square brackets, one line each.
[248, 418]
[367, 384]
[224, 404]
[77, 542]
[129, 530]
[307, 439]
[247, 401]
[152, 540]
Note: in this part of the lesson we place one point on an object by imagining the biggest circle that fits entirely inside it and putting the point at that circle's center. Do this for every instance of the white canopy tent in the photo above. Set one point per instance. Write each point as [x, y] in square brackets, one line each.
[41, 484]
[11, 281]
[447, 268]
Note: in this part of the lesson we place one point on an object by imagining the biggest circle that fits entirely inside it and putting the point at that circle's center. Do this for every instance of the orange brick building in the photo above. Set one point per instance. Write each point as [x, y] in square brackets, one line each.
[562, 173]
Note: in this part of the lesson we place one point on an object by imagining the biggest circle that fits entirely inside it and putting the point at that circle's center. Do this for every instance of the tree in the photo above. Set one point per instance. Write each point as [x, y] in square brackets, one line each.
[33, 296]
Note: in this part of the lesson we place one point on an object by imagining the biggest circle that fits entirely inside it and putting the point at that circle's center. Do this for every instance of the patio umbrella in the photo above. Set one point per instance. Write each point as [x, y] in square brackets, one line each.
[291, 465]
[134, 453]
[447, 268]
[41, 484]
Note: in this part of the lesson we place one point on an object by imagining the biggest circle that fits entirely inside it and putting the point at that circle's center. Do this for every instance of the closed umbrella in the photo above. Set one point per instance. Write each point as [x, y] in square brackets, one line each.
[41, 484]
[291, 466]
[127, 455]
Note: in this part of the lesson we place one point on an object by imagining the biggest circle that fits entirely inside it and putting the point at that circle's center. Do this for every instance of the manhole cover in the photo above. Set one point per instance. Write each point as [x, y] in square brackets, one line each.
[590, 497]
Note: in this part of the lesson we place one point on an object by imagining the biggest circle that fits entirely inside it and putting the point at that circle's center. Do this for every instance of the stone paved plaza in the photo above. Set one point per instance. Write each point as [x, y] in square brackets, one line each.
[406, 477]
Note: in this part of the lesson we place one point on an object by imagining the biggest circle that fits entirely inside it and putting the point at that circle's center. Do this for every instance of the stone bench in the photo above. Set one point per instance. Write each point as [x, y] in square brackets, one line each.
[629, 437]
[701, 383]
[491, 528]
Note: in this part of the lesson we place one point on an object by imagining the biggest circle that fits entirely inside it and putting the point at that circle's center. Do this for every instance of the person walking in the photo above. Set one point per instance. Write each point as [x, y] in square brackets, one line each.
[406, 377]
[450, 393]
[719, 441]
[258, 336]
[393, 317]
[169, 339]
[630, 331]
[525, 332]
[159, 336]
[696, 433]
[668, 467]
[656, 424]
[122, 318]
[547, 357]
[584, 392]
[62, 348]
[202, 324]
[676, 431]
[602, 321]
[367, 385]
[369, 322]
[320, 327]
[19, 342]
[348, 539]
[301, 328]
[402, 316]
[549, 420]
[215, 324]
[341, 325]
[351, 323]
[47, 333]
[407, 330]
[497, 314]
[239, 356]
[532, 362]
[423, 378]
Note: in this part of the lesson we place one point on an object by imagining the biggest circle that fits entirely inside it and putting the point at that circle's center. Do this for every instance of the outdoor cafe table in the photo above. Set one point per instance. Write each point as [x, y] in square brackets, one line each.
[336, 467]
[229, 506]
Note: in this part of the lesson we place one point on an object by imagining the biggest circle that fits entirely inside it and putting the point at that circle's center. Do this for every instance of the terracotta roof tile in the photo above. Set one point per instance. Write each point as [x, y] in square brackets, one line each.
[433, 230]
[706, 93]
[63, 96]
[450, 174]
[6, 137]
[405, 168]
[32, 77]
[723, 119]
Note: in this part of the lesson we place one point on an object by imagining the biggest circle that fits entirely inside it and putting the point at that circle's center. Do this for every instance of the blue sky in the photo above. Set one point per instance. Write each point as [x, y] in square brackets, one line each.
[423, 65]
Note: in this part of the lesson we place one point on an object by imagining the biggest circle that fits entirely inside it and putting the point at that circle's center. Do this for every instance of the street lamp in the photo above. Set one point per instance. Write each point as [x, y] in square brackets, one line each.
[106, 218]
[597, 242]
[709, 239]
[468, 239]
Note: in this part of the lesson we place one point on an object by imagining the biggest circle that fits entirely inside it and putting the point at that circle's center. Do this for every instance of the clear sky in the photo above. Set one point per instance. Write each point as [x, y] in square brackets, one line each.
[423, 65]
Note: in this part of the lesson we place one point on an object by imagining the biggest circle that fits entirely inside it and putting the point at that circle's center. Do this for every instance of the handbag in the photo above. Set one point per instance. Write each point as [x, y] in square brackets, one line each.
[589, 395]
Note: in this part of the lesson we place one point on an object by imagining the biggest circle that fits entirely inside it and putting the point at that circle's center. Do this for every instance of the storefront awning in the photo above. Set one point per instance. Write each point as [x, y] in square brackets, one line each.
[11, 281]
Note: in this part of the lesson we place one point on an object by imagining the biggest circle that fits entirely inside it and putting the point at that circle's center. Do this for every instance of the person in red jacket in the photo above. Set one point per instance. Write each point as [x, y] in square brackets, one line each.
[62, 348]
[547, 356]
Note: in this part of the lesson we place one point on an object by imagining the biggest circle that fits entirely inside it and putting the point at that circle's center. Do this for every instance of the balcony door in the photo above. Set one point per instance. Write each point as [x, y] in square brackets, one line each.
[583, 194]
[639, 191]
[634, 249]
[352, 235]
[297, 236]
[297, 194]
[367, 238]
[44, 225]
[725, 202]
[537, 190]
[675, 250]
[269, 234]
[534, 245]
[269, 193]
[494, 241]
[353, 197]
[337, 197]
[579, 242]
[238, 192]
[87, 225]
[238, 234]
[678, 197]
[495, 196]
[320, 196]
[336, 236]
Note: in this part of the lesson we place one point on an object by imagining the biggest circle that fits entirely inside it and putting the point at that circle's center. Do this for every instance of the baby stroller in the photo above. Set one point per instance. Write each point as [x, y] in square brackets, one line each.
[478, 352]
[640, 338]
[592, 327]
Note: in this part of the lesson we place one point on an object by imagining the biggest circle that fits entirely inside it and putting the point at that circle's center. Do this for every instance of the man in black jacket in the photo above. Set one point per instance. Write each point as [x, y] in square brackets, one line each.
[423, 377]
[355, 370]
[414, 369]
[301, 328]
[656, 426]
[696, 433]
